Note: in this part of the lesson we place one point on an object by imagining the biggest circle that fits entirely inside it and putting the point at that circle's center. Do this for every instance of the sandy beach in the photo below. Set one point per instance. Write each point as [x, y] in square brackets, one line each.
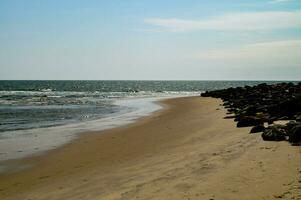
[187, 151]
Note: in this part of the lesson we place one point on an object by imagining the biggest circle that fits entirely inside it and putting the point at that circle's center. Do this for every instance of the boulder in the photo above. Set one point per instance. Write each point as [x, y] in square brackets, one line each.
[295, 134]
[257, 129]
[205, 94]
[273, 133]
[290, 125]
[255, 105]
[248, 121]
[298, 118]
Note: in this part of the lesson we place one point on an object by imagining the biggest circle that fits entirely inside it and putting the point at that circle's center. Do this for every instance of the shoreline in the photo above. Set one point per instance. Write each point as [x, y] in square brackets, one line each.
[34, 143]
[20, 163]
[186, 151]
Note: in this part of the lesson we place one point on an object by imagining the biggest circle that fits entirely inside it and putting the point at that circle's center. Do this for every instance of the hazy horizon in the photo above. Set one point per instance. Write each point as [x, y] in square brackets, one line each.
[216, 80]
[150, 40]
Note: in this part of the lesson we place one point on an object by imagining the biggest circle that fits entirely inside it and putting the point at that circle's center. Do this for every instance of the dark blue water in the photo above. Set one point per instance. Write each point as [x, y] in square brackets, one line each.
[37, 104]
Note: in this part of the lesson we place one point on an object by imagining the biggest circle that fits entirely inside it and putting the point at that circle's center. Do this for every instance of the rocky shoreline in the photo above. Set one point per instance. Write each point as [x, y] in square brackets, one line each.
[261, 106]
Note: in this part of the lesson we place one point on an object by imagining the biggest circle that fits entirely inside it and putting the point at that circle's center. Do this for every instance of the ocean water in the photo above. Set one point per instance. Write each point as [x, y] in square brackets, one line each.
[40, 115]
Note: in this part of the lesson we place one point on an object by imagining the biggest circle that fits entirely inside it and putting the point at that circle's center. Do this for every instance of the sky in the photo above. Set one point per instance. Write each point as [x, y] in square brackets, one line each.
[150, 40]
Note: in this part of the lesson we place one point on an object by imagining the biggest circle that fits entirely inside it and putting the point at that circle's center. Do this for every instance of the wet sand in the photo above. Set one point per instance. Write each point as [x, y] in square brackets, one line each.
[187, 151]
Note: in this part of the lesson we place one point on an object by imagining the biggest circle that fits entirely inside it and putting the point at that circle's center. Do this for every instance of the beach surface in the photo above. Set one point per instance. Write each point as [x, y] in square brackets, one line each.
[187, 151]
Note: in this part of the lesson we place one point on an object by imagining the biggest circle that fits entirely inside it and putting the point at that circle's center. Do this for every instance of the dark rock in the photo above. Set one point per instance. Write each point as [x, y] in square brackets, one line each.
[257, 129]
[248, 121]
[271, 120]
[229, 117]
[290, 125]
[298, 118]
[283, 118]
[273, 133]
[295, 134]
[255, 105]
[205, 94]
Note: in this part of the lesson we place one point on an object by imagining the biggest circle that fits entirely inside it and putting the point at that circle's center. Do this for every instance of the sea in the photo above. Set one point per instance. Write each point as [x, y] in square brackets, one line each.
[36, 116]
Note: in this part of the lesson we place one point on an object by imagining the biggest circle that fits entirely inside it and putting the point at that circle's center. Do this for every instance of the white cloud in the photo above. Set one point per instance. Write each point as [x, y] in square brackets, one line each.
[277, 44]
[252, 21]
[280, 53]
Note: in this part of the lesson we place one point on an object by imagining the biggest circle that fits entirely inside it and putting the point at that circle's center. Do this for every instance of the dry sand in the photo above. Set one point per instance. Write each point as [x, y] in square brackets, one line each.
[187, 151]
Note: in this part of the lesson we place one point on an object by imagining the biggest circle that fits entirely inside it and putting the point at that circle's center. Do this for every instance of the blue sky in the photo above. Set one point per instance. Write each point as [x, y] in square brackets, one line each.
[139, 39]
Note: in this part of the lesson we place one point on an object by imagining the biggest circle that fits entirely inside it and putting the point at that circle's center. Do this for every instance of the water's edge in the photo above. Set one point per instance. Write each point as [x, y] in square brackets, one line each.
[41, 140]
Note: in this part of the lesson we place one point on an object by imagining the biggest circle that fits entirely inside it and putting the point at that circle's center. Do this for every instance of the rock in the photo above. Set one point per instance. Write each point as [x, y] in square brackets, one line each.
[271, 120]
[283, 118]
[255, 105]
[298, 118]
[290, 125]
[229, 117]
[295, 134]
[257, 129]
[205, 94]
[250, 110]
[248, 121]
[273, 133]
